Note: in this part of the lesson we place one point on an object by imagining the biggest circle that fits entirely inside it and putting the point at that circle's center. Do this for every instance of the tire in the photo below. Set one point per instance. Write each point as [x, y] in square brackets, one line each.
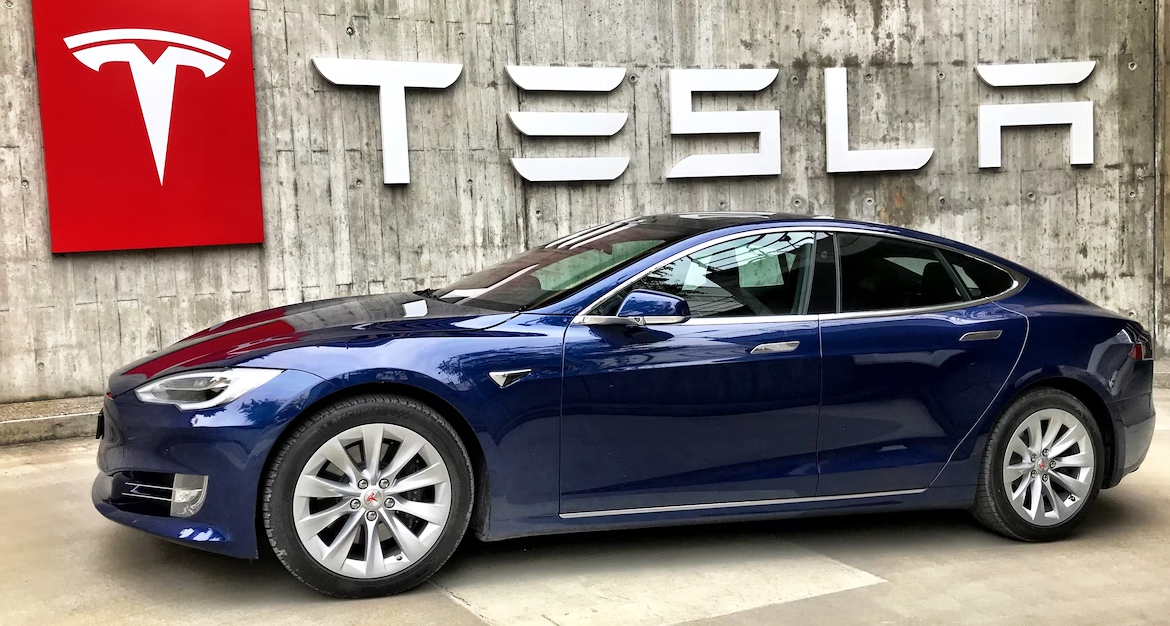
[308, 486]
[1067, 476]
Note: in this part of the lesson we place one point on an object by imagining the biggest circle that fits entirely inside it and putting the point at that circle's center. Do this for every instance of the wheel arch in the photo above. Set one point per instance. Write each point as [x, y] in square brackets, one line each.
[480, 507]
[1093, 401]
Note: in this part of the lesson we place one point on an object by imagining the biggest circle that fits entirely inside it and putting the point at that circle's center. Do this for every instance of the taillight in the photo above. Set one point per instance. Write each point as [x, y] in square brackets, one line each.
[1142, 349]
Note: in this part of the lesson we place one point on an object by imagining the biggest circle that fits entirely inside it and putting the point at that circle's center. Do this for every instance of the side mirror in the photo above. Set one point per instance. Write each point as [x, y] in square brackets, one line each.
[643, 307]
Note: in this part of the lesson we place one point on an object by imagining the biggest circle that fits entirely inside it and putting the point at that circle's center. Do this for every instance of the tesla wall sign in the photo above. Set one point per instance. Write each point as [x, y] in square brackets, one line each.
[149, 116]
[394, 77]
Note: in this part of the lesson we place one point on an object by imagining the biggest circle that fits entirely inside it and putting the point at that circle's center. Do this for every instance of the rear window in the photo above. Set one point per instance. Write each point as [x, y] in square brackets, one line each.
[981, 279]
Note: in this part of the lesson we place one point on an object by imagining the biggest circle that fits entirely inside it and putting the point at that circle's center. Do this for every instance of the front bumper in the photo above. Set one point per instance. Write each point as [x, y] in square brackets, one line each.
[228, 445]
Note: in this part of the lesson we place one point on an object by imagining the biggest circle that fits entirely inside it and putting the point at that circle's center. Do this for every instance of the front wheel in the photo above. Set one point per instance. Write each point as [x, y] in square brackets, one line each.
[1041, 469]
[368, 497]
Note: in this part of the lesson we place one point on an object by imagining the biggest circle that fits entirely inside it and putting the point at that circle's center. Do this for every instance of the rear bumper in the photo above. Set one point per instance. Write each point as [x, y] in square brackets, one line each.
[1133, 429]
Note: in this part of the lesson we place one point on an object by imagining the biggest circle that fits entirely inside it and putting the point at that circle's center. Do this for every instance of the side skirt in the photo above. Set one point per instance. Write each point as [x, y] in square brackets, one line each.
[916, 499]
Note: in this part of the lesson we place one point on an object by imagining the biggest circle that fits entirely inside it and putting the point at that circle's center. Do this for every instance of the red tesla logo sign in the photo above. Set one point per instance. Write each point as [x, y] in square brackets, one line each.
[149, 116]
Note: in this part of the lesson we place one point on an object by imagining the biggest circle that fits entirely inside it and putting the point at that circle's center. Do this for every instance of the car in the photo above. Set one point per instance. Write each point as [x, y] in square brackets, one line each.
[657, 370]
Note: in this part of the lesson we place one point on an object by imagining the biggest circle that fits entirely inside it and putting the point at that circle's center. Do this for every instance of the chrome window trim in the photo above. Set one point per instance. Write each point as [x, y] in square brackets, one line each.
[740, 504]
[1018, 281]
[749, 319]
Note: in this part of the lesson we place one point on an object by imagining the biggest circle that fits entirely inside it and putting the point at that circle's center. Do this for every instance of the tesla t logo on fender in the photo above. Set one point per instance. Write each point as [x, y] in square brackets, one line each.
[149, 116]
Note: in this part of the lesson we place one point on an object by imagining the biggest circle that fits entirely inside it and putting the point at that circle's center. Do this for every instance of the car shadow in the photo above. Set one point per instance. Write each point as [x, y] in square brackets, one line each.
[175, 573]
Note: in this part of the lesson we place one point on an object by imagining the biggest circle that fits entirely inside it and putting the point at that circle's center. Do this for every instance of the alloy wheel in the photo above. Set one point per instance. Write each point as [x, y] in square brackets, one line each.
[372, 501]
[1048, 467]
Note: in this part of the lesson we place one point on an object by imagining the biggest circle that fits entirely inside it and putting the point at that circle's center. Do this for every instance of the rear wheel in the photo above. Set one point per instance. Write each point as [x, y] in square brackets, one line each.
[368, 497]
[1042, 467]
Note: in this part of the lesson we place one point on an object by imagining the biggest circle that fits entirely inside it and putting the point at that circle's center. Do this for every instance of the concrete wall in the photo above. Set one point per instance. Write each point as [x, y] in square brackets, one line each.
[334, 229]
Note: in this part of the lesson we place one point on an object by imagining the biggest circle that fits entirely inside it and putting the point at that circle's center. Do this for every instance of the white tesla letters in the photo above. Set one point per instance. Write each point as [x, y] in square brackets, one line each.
[837, 153]
[684, 121]
[1078, 115]
[568, 124]
[393, 77]
[154, 82]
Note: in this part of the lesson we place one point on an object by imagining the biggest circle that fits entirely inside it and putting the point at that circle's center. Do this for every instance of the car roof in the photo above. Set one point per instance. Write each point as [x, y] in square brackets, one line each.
[714, 220]
[705, 222]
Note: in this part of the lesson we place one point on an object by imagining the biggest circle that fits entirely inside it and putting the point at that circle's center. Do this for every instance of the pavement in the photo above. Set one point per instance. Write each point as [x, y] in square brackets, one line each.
[62, 563]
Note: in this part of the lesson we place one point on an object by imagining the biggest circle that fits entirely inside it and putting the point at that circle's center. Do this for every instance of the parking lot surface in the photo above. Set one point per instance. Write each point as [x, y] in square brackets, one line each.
[65, 564]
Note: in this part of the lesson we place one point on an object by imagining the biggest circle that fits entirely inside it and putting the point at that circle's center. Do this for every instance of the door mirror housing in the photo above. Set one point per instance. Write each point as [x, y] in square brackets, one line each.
[644, 308]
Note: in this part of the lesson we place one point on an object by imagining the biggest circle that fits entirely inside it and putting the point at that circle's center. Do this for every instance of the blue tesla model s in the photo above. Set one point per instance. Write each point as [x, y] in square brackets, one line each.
[657, 370]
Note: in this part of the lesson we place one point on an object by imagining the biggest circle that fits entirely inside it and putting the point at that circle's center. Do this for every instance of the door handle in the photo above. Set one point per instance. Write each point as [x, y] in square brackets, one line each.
[773, 348]
[981, 335]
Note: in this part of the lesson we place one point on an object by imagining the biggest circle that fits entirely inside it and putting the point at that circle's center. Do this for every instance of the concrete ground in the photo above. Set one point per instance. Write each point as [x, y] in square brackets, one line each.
[62, 563]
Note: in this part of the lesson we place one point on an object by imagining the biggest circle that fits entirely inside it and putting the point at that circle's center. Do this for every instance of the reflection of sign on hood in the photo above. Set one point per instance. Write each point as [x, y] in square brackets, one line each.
[393, 77]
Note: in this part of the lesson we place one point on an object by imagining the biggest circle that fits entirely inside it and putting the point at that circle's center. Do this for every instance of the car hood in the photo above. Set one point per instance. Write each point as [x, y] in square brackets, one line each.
[325, 322]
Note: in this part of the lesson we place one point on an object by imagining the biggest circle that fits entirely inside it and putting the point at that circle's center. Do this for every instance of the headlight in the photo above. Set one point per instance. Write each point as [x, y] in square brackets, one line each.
[204, 390]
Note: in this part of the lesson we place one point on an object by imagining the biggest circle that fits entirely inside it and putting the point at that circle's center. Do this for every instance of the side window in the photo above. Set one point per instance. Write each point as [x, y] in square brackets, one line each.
[981, 279]
[880, 273]
[824, 287]
[760, 274]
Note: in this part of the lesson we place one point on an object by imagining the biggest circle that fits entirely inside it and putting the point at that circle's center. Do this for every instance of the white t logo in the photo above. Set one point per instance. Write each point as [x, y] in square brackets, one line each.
[154, 82]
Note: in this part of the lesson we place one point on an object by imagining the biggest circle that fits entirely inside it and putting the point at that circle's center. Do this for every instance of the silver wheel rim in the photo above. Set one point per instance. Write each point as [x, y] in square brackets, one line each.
[372, 501]
[1048, 468]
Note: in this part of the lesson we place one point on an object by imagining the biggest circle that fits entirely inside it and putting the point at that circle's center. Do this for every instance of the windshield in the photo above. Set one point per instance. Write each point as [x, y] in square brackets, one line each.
[546, 273]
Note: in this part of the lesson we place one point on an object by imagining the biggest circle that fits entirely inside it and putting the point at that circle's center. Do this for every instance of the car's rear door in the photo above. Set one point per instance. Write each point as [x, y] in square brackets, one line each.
[719, 409]
[915, 356]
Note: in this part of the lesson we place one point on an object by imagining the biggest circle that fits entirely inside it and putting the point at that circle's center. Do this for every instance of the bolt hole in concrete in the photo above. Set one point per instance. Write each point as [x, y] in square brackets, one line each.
[942, 200]
[349, 30]
[24, 184]
[1132, 66]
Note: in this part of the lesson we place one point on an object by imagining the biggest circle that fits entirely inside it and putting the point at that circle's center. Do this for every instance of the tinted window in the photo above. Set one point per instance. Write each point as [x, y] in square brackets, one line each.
[761, 274]
[981, 279]
[544, 274]
[879, 273]
[824, 288]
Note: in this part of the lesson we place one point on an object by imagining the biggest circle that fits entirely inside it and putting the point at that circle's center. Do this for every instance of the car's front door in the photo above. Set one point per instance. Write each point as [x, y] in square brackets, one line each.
[721, 408]
[914, 358]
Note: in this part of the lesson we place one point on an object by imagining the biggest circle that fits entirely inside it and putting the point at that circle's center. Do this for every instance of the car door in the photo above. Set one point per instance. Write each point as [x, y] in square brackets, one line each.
[913, 359]
[721, 408]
